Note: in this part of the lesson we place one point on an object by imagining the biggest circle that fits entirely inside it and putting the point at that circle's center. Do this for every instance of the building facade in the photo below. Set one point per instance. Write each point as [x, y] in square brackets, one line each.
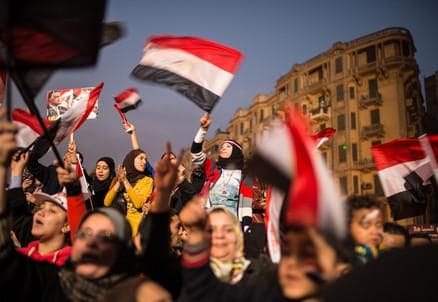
[368, 89]
[431, 94]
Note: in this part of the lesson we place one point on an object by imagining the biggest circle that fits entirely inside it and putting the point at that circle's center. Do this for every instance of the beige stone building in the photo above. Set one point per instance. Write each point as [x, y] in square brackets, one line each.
[368, 89]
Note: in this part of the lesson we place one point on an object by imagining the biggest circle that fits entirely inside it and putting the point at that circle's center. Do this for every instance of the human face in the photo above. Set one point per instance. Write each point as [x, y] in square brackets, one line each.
[55, 98]
[223, 236]
[102, 170]
[225, 150]
[367, 226]
[95, 248]
[49, 221]
[298, 260]
[391, 241]
[140, 162]
[176, 230]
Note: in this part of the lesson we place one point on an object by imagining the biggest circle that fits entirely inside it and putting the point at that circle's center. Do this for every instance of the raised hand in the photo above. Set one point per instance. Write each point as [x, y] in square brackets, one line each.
[165, 178]
[205, 121]
[19, 161]
[67, 176]
[7, 138]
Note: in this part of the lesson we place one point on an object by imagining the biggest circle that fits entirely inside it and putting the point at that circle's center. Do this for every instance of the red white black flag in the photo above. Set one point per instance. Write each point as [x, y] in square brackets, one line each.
[404, 171]
[128, 99]
[199, 69]
[304, 189]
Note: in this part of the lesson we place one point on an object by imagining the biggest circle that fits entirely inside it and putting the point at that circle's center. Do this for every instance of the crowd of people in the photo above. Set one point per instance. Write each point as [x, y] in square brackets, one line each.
[185, 230]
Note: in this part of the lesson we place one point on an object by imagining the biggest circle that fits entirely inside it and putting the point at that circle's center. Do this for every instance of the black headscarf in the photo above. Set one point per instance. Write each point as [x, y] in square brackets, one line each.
[101, 187]
[132, 174]
[235, 161]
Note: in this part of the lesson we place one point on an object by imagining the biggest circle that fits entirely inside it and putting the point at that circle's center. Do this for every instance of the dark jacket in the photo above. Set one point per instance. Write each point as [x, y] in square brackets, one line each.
[21, 214]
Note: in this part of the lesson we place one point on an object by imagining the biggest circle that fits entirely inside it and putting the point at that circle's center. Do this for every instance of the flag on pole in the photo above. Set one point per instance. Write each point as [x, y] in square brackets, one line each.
[302, 185]
[199, 69]
[74, 117]
[82, 180]
[28, 127]
[128, 99]
[404, 171]
[323, 136]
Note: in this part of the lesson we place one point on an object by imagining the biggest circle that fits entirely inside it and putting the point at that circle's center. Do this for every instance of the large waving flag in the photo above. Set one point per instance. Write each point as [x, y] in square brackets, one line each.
[303, 188]
[199, 69]
[404, 170]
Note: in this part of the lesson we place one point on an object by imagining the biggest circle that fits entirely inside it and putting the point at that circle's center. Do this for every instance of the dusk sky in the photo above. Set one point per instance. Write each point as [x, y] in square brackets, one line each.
[273, 35]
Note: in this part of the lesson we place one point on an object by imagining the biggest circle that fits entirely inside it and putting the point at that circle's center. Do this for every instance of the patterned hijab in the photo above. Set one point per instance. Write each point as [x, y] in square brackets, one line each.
[235, 161]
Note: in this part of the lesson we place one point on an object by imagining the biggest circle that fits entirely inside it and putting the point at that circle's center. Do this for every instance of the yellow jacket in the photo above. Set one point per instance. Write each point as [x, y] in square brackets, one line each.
[135, 199]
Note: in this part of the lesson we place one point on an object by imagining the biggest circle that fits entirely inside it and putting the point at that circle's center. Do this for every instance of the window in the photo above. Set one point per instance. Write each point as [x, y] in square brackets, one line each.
[321, 101]
[322, 126]
[351, 93]
[341, 122]
[324, 156]
[405, 49]
[338, 65]
[295, 84]
[304, 109]
[375, 143]
[343, 182]
[372, 88]
[339, 93]
[353, 120]
[241, 128]
[261, 115]
[375, 116]
[378, 190]
[354, 152]
[355, 184]
[371, 54]
[342, 150]
[216, 148]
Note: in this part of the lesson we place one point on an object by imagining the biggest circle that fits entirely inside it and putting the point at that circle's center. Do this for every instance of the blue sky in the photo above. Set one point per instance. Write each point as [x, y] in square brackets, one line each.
[272, 34]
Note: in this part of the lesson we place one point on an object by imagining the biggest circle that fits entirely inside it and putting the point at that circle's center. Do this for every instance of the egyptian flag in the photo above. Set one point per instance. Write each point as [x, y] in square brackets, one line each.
[404, 171]
[429, 143]
[197, 68]
[128, 99]
[82, 180]
[323, 136]
[28, 127]
[303, 192]
[75, 116]
[65, 33]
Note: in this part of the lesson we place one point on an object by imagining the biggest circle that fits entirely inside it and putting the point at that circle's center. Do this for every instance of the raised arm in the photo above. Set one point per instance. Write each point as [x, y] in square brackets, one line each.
[7, 146]
[130, 129]
[75, 200]
[198, 156]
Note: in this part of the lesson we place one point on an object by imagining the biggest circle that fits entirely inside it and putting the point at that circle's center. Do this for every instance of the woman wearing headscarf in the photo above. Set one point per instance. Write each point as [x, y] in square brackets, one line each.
[132, 189]
[102, 178]
[225, 184]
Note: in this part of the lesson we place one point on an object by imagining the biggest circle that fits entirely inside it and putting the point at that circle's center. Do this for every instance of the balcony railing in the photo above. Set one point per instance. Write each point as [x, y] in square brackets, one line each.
[366, 100]
[320, 114]
[365, 164]
[366, 68]
[372, 130]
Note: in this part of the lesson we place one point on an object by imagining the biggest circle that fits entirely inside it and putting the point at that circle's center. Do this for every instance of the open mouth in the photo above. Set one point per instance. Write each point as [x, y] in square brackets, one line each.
[89, 258]
[38, 222]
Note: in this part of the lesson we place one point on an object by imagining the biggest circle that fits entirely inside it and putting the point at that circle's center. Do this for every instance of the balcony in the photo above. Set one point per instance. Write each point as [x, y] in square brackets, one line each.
[366, 100]
[367, 68]
[366, 164]
[375, 130]
[320, 114]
